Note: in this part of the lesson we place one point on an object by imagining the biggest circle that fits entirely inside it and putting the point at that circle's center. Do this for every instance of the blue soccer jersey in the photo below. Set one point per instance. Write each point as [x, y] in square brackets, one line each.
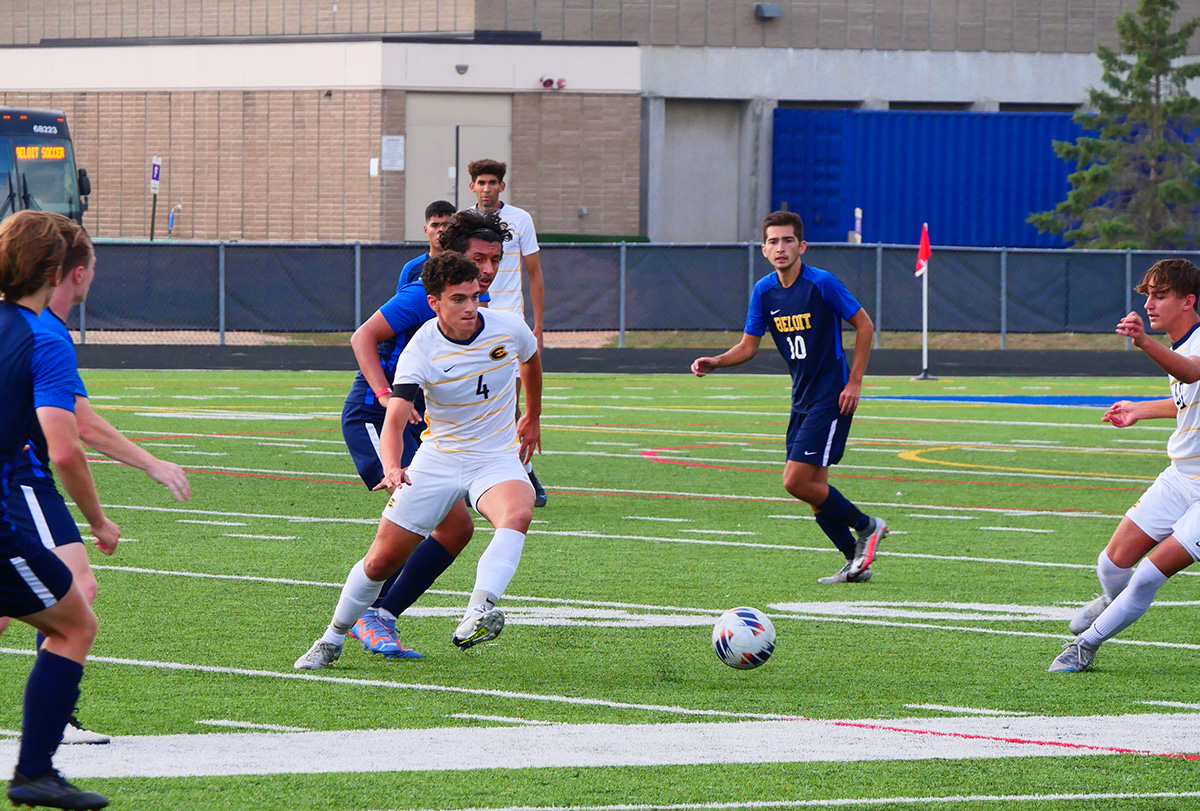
[405, 312]
[37, 369]
[806, 322]
[31, 465]
[411, 271]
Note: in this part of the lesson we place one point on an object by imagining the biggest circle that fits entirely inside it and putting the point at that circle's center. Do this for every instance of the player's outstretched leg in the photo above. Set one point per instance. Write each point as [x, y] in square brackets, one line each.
[508, 505]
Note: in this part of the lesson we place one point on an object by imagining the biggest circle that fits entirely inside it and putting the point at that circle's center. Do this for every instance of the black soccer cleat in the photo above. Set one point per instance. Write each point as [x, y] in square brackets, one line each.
[50, 790]
[539, 492]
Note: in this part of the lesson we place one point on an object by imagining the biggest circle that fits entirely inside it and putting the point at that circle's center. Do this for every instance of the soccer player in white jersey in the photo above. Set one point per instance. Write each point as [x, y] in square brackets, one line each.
[521, 253]
[1162, 528]
[467, 361]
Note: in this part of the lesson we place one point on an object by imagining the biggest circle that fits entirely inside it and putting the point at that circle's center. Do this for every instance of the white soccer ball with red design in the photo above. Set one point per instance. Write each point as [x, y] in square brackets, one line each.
[743, 638]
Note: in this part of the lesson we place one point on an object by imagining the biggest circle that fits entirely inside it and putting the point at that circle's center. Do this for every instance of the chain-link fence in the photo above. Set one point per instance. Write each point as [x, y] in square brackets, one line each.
[256, 293]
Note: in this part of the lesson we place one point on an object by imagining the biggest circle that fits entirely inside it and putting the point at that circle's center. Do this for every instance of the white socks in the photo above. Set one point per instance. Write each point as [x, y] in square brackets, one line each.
[1113, 578]
[499, 562]
[1129, 605]
[358, 593]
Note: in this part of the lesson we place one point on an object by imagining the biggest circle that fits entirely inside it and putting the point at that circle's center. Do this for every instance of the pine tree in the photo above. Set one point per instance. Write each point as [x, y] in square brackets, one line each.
[1137, 182]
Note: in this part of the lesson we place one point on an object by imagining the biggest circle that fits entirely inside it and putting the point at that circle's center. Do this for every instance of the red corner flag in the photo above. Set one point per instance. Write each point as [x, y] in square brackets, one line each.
[924, 252]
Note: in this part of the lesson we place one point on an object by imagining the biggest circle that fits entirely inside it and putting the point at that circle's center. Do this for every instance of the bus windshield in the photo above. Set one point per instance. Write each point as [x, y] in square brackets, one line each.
[44, 175]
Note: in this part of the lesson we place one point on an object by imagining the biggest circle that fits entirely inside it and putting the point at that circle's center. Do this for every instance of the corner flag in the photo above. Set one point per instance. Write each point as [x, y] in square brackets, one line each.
[924, 252]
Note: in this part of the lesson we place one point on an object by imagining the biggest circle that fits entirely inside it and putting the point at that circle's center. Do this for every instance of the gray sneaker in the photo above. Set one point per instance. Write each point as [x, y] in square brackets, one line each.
[1076, 656]
[320, 656]
[480, 626]
[866, 544]
[1087, 615]
[843, 576]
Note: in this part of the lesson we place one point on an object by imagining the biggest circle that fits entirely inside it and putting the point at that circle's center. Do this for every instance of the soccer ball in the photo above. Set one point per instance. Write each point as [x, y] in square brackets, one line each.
[743, 638]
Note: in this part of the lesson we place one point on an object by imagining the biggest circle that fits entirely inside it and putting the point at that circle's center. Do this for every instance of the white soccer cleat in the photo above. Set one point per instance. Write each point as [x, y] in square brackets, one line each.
[1087, 615]
[320, 656]
[76, 733]
[1076, 657]
[865, 545]
[843, 576]
[481, 625]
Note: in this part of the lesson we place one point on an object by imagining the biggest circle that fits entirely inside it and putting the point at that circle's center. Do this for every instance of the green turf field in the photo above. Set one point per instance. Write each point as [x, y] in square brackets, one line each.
[926, 687]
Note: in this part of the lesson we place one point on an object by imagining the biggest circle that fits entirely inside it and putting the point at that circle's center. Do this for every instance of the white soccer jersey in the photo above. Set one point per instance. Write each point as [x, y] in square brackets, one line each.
[470, 386]
[506, 290]
[1184, 445]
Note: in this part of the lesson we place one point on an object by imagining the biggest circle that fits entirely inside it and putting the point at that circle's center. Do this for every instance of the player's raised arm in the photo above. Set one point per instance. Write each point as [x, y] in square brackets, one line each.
[391, 440]
[736, 355]
[66, 455]
[529, 428]
[365, 342]
[537, 292]
[97, 432]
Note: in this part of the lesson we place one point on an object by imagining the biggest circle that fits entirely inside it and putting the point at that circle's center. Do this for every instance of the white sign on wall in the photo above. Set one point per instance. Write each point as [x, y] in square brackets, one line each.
[392, 153]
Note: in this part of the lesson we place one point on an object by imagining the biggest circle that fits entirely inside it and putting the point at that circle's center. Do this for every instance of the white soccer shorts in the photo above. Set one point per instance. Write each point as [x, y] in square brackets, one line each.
[1161, 509]
[439, 479]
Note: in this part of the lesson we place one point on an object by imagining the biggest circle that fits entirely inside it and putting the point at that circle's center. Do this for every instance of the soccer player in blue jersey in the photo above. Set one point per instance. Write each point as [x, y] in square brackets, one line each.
[39, 510]
[437, 219]
[803, 308]
[38, 378]
[377, 345]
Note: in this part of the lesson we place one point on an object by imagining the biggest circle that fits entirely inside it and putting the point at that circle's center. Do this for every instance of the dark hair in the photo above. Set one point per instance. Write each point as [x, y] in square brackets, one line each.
[31, 253]
[469, 224]
[487, 166]
[447, 269]
[79, 244]
[1166, 275]
[439, 208]
[784, 218]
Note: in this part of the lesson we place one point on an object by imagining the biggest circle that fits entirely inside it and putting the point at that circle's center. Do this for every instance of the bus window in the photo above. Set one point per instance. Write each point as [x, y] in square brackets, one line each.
[8, 187]
[45, 175]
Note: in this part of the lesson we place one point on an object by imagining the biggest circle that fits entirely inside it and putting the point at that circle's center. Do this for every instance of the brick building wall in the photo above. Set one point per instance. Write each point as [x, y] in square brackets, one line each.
[25, 22]
[572, 151]
[1050, 26]
[294, 165]
[253, 165]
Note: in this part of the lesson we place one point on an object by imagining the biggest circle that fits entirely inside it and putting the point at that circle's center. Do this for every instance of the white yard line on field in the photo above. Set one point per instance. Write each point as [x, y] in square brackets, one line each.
[216, 722]
[962, 710]
[1176, 704]
[854, 802]
[500, 719]
[795, 740]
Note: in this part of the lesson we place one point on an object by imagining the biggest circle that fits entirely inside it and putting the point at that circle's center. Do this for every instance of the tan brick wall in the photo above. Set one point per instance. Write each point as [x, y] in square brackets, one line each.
[30, 21]
[257, 165]
[967, 25]
[573, 151]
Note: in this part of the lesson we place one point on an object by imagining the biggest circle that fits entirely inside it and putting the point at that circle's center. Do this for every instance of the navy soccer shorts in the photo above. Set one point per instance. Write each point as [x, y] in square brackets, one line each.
[39, 512]
[361, 427]
[818, 436]
[32, 578]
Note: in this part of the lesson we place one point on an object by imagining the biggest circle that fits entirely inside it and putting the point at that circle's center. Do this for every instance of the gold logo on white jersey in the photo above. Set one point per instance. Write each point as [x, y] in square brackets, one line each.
[499, 353]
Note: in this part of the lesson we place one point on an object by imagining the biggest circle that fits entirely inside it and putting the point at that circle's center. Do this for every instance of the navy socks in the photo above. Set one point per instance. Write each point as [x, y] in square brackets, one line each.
[50, 696]
[424, 565]
[839, 508]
